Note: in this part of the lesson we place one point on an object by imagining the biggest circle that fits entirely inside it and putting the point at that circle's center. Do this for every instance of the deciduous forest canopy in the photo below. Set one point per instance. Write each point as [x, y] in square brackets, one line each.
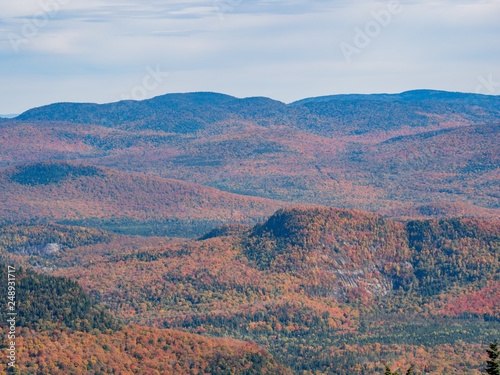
[200, 233]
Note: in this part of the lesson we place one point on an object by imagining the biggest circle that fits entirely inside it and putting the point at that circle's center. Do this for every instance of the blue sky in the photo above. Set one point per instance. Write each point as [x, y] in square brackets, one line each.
[108, 50]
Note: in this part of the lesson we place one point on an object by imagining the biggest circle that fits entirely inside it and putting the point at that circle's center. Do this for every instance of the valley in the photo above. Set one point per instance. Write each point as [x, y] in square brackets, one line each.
[201, 233]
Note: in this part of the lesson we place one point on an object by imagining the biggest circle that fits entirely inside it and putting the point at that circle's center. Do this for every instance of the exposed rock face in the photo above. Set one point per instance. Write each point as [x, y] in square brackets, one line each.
[348, 275]
[39, 250]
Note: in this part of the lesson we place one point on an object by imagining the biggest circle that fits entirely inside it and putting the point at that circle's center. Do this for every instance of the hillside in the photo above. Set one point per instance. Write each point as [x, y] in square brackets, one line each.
[177, 113]
[432, 167]
[95, 196]
[338, 114]
[45, 302]
[141, 350]
[61, 330]
[371, 117]
[323, 289]
[383, 153]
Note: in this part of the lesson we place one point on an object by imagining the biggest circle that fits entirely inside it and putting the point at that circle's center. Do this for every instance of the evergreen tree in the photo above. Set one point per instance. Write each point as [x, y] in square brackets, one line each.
[389, 372]
[493, 365]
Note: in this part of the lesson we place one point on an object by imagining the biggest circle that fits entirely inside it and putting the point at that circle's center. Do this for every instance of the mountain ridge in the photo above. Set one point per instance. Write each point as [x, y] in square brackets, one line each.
[377, 155]
[417, 94]
[213, 107]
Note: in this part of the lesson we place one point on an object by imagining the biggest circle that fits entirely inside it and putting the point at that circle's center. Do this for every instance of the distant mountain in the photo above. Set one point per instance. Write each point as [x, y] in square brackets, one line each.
[382, 152]
[369, 115]
[414, 95]
[9, 116]
[334, 115]
[179, 113]
[95, 196]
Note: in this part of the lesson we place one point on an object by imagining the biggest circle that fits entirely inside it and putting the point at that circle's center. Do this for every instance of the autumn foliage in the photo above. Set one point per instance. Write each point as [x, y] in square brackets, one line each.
[316, 287]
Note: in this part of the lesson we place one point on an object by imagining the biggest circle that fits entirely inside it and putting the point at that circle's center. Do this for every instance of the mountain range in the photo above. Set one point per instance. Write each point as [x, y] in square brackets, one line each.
[416, 154]
[202, 233]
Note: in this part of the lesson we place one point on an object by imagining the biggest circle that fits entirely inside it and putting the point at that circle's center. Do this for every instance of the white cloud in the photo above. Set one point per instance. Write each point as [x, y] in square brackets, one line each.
[93, 50]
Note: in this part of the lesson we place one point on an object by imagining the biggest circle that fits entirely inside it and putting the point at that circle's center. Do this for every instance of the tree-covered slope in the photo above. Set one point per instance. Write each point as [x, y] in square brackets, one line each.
[178, 113]
[61, 330]
[396, 154]
[318, 287]
[135, 203]
[338, 114]
[45, 302]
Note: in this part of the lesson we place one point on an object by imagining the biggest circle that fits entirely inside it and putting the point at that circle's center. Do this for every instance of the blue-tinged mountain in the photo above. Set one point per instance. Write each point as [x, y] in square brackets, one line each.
[338, 115]
[371, 115]
[179, 113]
[413, 95]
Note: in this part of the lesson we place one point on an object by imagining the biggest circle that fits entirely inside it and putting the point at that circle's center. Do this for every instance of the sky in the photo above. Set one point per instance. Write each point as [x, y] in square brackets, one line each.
[109, 50]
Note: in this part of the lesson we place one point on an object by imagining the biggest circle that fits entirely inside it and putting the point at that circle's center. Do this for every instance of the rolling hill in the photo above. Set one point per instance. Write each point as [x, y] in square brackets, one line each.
[387, 153]
[95, 196]
[333, 235]
[459, 165]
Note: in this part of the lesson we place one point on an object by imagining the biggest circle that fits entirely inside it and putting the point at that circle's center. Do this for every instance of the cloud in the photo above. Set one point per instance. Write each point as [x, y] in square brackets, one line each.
[96, 50]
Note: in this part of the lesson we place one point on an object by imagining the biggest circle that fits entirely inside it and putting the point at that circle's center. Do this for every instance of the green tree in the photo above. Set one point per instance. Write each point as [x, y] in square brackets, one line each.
[493, 365]
[389, 372]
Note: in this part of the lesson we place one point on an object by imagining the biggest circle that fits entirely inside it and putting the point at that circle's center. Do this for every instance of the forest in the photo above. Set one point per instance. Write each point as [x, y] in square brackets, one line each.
[200, 233]
[421, 154]
[60, 329]
[323, 290]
